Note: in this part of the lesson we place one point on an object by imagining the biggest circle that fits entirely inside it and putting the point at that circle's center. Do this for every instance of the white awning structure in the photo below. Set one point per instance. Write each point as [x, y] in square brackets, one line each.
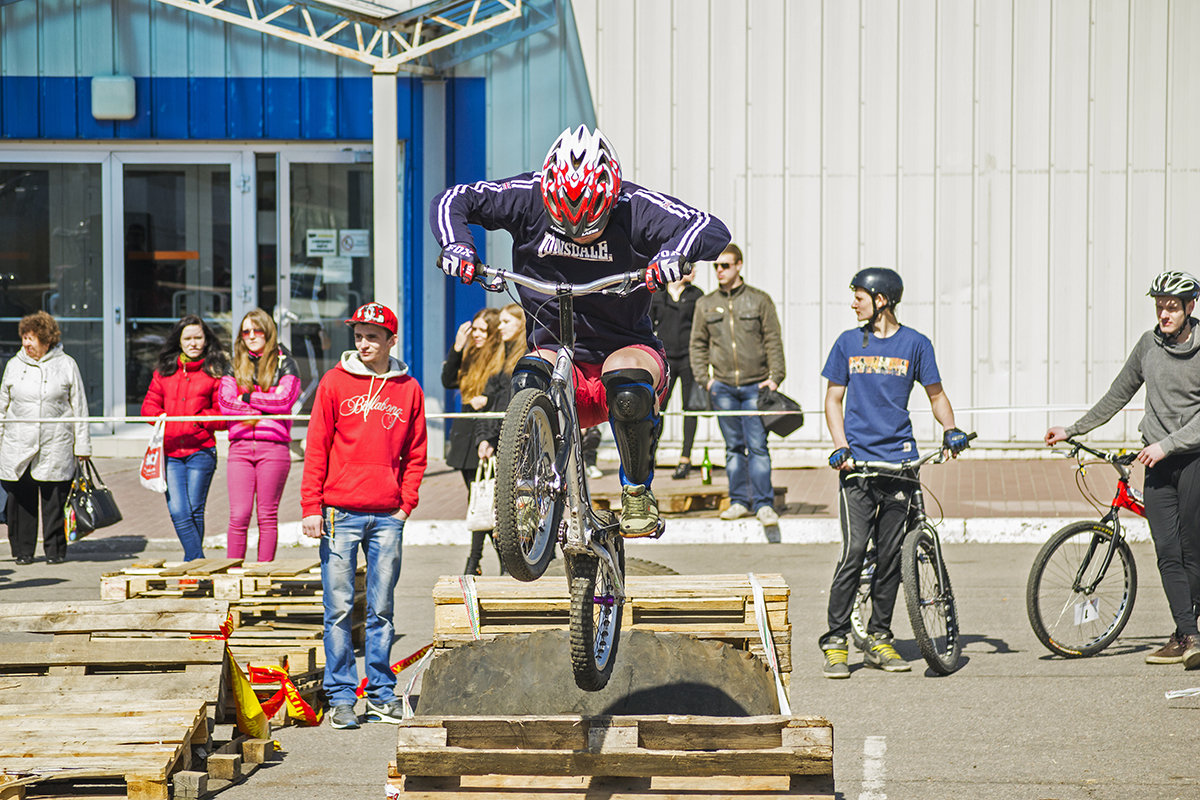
[385, 35]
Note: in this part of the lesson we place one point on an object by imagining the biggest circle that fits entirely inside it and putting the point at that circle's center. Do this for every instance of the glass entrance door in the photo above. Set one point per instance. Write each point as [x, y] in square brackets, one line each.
[179, 250]
[327, 269]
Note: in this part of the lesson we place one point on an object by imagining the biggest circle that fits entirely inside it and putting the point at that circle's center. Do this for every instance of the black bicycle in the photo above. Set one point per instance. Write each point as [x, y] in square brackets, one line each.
[542, 496]
[932, 611]
[1083, 581]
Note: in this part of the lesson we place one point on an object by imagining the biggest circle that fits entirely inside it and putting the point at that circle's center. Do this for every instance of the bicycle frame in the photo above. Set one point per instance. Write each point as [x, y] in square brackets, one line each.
[585, 533]
[1126, 497]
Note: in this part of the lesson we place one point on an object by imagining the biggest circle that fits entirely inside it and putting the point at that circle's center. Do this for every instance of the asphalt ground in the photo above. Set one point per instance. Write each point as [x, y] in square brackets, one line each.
[1013, 722]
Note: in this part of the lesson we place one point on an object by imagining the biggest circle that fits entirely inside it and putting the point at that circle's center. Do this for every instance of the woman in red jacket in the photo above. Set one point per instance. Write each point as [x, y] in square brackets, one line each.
[185, 384]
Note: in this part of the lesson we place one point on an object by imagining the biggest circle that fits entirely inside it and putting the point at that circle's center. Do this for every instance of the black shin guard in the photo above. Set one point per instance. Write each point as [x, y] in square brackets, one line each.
[531, 372]
[635, 424]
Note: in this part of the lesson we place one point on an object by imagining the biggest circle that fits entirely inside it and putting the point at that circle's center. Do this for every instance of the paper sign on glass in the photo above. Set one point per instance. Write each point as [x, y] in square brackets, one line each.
[320, 242]
[354, 243]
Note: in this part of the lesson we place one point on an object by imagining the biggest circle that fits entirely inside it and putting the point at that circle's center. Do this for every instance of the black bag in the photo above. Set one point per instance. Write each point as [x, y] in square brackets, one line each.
[90, 504]
[788, 416]
[698, 399]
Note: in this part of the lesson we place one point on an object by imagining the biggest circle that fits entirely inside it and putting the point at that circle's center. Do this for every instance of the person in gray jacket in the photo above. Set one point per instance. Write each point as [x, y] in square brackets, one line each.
[37, 460]
[1166, 360]
[737, 351]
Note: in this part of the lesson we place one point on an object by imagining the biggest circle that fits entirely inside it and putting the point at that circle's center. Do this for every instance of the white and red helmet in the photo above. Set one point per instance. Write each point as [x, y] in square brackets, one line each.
[581, 180]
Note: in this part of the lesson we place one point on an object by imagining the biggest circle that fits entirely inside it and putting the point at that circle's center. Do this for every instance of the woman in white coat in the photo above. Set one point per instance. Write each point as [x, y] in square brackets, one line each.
[37, 460]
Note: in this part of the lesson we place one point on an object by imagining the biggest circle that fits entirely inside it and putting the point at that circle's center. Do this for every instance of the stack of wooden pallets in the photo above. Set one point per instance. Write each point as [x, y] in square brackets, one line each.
[719, 607]
[701, 758]
[78, 703]
[275, 606]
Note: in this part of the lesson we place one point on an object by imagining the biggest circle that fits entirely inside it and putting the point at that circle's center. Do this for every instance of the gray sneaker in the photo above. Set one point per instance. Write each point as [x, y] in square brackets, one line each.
[342, 717]
[880, 654]
[392, 712]
[639, 511]
[836, 653]
[735, 511]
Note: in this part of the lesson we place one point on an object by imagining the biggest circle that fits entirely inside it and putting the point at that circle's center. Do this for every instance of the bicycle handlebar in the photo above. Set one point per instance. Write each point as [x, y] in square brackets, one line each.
[933, 457]
[1119, 461]
[625, 283]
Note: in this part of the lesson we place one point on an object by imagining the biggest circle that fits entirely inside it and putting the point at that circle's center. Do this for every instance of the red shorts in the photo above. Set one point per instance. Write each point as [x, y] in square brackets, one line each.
[590, 401]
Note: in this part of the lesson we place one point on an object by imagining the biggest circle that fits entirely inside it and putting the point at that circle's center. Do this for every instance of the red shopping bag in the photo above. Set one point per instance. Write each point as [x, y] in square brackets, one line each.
[154, 462]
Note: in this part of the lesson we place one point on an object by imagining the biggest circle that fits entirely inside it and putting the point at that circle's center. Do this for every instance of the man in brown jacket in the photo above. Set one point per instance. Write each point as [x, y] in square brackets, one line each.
[736, 350]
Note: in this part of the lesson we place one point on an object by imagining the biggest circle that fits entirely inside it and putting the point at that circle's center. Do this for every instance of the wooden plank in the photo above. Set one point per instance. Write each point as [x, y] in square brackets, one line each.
[200, 615]
[144, 653]
[202, 567]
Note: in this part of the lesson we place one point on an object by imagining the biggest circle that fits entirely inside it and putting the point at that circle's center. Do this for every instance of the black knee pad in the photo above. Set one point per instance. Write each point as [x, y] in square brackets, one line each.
[636, 426]
[531, 372]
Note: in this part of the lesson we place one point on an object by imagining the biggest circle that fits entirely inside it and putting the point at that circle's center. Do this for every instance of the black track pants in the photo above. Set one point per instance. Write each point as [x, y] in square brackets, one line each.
[1173, 511]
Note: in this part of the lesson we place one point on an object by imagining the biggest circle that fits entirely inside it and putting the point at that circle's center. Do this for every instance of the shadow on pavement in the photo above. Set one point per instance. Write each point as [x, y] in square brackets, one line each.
[112, 548]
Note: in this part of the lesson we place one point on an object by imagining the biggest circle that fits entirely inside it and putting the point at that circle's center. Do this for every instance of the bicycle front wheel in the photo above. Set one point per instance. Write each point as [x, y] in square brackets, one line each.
[1075, 608]
[860, 614]
[931, 608]
[595, 620]
[528, 508]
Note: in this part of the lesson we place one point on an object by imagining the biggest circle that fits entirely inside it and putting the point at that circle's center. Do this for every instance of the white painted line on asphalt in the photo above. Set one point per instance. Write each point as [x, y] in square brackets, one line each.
[874, 748]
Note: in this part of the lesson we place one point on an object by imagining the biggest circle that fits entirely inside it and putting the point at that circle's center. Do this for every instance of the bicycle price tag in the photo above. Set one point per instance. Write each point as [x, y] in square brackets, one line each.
[1087, 611]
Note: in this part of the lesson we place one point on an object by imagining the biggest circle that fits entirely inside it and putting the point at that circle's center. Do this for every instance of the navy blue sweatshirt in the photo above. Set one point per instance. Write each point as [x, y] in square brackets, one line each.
[643, 224]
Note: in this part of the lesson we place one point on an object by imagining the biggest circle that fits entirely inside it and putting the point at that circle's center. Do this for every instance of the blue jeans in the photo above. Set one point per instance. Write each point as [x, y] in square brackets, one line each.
[747, 461]
[381, 536]
[188, 479]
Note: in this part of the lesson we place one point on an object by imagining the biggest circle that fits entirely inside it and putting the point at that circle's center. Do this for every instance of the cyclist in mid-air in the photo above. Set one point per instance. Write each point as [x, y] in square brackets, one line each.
[1166, 360]
[576, 221]
[871, 371]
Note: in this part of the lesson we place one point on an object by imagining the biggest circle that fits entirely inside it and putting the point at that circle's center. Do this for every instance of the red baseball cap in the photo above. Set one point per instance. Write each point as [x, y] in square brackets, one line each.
[376, 314]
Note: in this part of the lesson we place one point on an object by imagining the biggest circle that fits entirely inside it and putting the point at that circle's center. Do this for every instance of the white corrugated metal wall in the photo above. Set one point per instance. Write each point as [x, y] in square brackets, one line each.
[1026, 165]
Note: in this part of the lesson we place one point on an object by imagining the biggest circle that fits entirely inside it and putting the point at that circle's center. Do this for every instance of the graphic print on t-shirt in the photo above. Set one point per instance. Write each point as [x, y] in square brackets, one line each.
[878, 365]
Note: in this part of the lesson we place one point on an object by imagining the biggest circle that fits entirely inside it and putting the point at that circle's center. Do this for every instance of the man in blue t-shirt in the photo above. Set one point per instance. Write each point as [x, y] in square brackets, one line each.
[871, 371]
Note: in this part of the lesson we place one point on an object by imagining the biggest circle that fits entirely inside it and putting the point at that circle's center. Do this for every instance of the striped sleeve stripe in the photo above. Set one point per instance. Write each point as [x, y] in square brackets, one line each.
[445, 227]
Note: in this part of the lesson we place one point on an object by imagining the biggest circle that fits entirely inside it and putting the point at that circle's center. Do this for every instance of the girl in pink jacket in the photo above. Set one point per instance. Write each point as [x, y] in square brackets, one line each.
[263, 380]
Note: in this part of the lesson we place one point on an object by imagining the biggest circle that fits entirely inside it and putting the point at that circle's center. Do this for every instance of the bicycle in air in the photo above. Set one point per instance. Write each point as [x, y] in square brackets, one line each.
[1083, 581]
[542, 497]
[928, 596]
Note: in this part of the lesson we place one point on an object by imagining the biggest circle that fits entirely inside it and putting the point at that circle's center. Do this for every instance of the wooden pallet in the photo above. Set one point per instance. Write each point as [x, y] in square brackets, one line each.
[143, 743]
[164, 617]
[274, 604]
[682, 501]
[717, 607]
[650, 756]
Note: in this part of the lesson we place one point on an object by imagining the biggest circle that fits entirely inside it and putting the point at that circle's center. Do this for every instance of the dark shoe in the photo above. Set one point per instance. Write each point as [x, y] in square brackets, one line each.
[24, 561]
[1170, 653]
[682, 470]
[639, 511]
[836, 654]
[392, 712]
[56, 559]
[1191, 655]
[473, 567]
[880, 654]
[343, 717]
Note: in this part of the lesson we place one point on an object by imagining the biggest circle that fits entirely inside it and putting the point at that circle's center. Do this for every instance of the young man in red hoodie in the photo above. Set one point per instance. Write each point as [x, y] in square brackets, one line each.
[363, 464]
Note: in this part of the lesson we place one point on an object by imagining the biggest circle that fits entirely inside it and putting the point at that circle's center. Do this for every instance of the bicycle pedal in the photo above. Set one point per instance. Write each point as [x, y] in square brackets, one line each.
[654, 534]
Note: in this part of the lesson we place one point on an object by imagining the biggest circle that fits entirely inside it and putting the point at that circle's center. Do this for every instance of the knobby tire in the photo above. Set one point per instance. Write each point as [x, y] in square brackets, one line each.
[528, 511]
[930, 600]
[595, 625]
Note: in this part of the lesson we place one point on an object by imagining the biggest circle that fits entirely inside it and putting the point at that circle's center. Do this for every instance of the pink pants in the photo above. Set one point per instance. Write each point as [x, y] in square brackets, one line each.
[255, 468]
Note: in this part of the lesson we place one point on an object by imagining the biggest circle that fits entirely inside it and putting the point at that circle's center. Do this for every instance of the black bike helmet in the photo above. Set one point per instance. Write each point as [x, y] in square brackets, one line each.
[1175, 283]
[879, 280]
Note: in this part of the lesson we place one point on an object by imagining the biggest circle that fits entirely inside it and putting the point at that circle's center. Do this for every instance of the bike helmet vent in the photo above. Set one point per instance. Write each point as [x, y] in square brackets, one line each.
[1175, 284]
[580, 182]
[879, 280]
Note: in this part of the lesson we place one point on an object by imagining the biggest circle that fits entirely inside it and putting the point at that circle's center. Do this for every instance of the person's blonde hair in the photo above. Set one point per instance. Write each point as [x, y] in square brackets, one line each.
[482, 362]
[517, 346]
[248, 371]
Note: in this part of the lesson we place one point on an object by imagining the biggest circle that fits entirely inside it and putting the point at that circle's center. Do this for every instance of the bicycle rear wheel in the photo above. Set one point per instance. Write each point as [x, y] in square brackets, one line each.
[931, 608]
[595, 620]
[1066, 617]
[528, 508]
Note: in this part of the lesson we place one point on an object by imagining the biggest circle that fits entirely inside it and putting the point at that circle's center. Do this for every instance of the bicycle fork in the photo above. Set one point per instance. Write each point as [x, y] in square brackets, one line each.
[1111, 519]
[581, 522]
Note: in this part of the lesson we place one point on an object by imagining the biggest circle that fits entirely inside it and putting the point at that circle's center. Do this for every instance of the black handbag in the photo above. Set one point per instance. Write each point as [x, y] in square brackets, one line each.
[698, 399]
[90, 504]
[788, 417]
